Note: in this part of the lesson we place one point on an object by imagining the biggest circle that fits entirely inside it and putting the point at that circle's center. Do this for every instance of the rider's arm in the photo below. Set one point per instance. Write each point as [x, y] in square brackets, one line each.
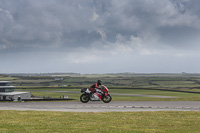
[96, 86]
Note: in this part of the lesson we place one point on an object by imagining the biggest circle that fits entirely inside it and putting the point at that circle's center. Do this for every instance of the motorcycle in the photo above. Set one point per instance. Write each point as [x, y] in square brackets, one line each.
[100, 94]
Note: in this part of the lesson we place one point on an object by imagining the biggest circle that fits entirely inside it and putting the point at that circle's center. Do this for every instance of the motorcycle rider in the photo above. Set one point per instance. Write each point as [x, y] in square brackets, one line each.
[95, 86]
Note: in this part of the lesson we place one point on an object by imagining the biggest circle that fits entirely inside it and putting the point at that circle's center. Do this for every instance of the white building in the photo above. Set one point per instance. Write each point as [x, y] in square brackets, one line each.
[7, 92]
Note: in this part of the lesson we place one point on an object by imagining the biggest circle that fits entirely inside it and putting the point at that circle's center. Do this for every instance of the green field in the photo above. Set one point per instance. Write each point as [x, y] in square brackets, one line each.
[162, 81]
[125, 83]
[112, 122]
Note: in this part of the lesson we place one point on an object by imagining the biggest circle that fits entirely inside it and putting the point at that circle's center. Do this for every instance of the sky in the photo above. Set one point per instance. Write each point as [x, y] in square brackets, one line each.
[99, 36]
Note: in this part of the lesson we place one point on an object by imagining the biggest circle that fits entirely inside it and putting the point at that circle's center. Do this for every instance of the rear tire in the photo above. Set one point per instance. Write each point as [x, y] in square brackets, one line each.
[107, 98]
[84, 98]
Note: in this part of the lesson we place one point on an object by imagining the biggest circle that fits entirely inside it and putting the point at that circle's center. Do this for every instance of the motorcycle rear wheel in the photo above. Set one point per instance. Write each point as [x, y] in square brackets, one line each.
[107, 99]
[84, 98]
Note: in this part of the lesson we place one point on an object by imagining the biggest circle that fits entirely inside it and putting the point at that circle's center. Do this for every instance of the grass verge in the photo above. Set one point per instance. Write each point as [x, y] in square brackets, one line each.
[70, 122]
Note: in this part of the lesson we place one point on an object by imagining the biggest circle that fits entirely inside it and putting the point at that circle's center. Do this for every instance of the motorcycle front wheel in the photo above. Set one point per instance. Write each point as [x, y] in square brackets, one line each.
[84, 98]
[107, 99]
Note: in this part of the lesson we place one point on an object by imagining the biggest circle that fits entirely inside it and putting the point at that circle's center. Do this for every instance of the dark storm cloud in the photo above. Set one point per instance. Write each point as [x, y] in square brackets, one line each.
[70, 32]
[178, 36]
[61, 23]
[46, 23]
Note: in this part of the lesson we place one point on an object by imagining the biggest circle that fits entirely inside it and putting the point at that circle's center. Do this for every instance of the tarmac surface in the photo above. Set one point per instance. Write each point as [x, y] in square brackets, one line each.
[99, 106]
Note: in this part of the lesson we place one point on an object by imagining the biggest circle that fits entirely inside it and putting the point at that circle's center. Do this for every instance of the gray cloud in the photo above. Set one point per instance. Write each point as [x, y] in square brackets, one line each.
[36, 23]
[75, 31]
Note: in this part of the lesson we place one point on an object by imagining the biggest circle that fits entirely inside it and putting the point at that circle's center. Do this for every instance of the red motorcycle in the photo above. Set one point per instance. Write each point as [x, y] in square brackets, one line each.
[100, 94]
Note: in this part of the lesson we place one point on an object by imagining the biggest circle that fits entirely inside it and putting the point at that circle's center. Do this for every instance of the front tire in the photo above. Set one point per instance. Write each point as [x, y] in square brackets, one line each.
[84, 98]
[107, 98]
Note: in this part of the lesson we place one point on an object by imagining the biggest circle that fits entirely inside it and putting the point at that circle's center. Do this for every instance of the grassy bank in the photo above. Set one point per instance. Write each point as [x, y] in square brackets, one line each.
[142, 122]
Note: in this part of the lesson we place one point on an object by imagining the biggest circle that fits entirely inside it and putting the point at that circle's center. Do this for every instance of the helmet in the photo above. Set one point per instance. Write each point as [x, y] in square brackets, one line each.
[99, 82]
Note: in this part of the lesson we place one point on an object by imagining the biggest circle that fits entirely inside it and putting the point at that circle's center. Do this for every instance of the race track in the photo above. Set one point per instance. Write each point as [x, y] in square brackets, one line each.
[99, 106]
